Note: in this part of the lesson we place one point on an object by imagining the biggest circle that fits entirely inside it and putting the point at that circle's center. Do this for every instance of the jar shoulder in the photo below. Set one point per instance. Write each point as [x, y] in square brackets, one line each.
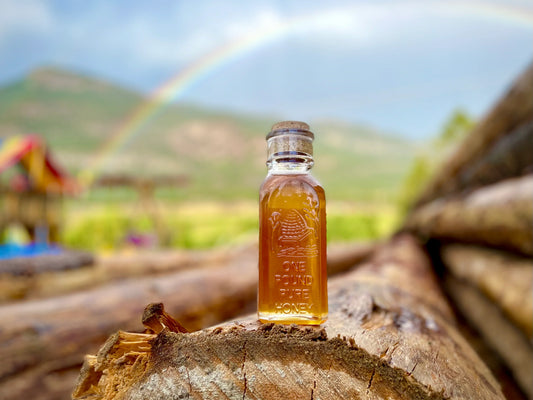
[290, 184]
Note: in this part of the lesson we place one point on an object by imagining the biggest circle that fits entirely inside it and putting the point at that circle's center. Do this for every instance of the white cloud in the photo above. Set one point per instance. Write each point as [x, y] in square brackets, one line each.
[32, 16]
[181, 47]
[146, 38]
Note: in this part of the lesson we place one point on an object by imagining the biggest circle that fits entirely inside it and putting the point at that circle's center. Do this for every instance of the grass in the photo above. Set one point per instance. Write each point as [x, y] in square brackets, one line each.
[104, 226]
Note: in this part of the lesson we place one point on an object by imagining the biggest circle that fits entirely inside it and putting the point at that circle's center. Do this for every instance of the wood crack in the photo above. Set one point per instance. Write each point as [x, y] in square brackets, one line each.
[243, 371]
[370, 381]
[315, 375]
[410, 372]
[188, 379]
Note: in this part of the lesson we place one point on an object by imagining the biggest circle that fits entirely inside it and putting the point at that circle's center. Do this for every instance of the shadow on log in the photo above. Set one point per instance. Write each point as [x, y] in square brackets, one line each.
[390, 335]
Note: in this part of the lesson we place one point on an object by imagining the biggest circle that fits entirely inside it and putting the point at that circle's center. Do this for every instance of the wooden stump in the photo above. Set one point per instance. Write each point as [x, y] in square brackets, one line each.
[390, 335]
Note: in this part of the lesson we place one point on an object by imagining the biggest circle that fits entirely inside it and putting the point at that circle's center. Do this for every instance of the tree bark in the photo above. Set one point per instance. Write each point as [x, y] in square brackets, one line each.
[507, 340]
[390, 335]
[512, 110]
[499, 215]
[42, 341]
[505, 279]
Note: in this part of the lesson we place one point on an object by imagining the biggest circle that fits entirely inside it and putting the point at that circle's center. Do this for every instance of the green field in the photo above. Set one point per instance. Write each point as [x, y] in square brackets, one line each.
[105, 226]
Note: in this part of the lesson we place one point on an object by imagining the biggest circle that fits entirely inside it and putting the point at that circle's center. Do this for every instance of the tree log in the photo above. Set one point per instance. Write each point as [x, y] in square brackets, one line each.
[107, 269]
[42, 341]
[510, 388]
[499, 215]
[512, 110]
[510, 157]
[507, 340]
[343, 257]
[507, 280]
[390, 335]
[33, 332]
[30, 266]
[19, 274]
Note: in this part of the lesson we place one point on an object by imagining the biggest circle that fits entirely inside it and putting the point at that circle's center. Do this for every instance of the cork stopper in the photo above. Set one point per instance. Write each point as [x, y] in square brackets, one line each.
[296, 127]
[290, 138]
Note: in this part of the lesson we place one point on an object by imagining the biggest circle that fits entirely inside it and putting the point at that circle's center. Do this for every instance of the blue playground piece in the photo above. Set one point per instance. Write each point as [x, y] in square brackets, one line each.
[12, 250]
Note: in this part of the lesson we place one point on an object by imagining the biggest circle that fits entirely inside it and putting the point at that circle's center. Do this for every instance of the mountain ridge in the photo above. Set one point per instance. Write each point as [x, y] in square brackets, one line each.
[222, 153]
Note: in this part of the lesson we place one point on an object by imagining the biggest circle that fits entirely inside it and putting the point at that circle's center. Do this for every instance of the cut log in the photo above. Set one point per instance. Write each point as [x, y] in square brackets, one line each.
[499, 215]
[515, 108]
[510, 157]
[40, 340]
[390, 335]
[505, 279]
[506, 339]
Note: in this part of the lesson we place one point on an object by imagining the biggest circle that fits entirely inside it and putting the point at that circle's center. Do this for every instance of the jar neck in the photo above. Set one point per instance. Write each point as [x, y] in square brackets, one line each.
[290, 153]
[289, 165]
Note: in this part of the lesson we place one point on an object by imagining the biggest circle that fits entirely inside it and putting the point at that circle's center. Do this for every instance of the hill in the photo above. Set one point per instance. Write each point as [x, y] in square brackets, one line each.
[223, 154]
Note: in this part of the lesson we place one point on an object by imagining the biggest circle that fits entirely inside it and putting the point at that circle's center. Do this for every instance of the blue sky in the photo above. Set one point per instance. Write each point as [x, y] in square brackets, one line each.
[400, 66]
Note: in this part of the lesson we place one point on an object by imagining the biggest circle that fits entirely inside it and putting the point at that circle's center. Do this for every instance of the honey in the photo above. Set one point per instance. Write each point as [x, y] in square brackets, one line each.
[292, 233]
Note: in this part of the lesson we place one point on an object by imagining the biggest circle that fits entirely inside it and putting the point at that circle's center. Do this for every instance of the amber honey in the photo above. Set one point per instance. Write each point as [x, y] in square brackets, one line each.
[292, 253]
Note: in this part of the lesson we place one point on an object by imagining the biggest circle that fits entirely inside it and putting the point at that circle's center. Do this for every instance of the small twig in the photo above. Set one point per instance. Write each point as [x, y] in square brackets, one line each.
[156, 319]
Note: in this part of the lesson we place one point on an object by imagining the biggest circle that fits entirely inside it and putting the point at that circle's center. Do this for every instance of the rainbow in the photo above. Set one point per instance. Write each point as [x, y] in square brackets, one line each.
[204, 66]
[173, 89]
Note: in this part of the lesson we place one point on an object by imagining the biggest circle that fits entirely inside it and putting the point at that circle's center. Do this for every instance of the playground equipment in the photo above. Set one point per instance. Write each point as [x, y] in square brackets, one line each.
[32, 187]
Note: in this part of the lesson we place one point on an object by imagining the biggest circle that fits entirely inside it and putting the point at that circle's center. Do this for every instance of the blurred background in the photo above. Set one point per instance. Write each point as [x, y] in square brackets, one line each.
[180, 96]
[132, 128]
